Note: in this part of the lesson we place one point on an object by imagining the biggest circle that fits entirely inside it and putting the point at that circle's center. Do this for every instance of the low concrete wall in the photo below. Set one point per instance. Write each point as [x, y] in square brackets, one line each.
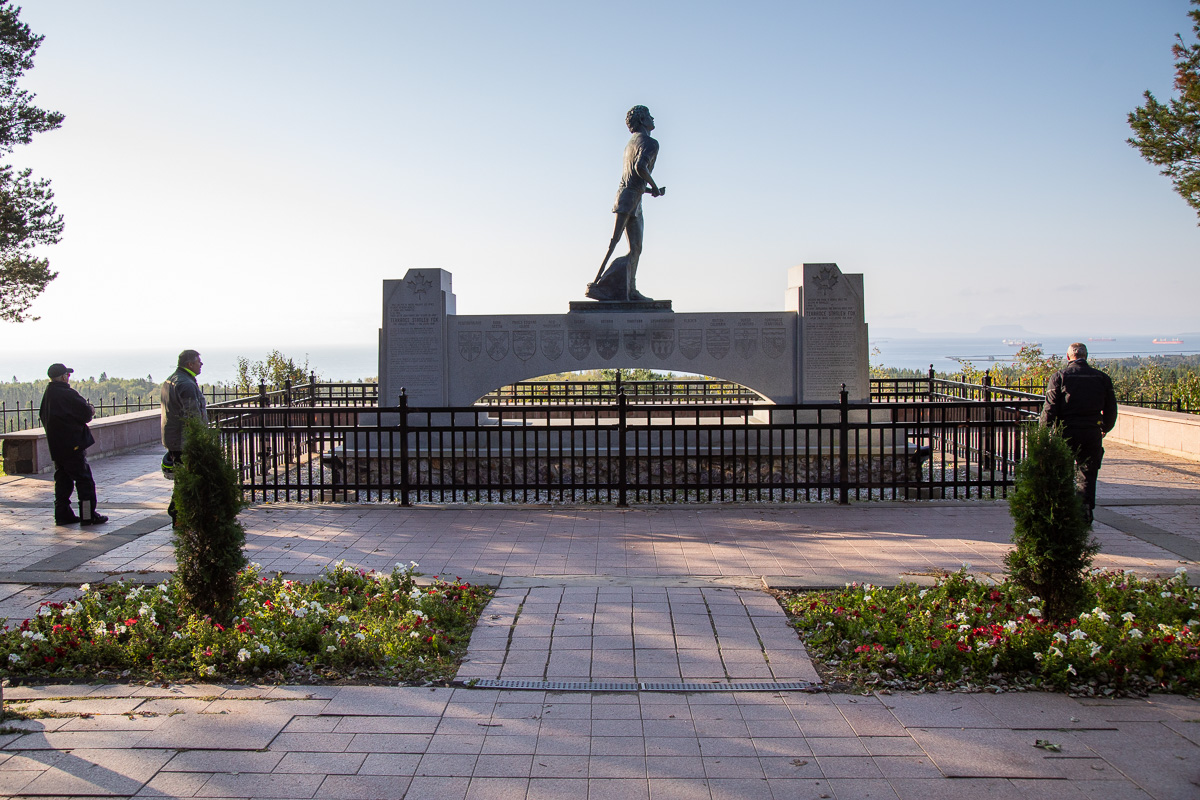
[27, 453]
[1167, 432]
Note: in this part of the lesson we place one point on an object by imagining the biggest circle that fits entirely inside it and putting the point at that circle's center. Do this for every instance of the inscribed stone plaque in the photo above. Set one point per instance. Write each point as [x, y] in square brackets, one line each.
[413, 338]
[834, 335]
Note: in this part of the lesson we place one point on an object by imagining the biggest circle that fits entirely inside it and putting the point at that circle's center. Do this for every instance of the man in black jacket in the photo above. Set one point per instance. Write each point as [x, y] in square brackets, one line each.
[65, 415]
[1082, 399]
[181, 398]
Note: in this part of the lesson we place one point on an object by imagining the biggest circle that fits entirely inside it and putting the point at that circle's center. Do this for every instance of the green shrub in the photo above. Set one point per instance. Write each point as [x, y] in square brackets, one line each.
[1052, 546]
[209, 540]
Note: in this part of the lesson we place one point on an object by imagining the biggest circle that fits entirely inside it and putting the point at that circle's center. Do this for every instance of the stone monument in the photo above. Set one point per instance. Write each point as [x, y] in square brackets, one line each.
[803, 353]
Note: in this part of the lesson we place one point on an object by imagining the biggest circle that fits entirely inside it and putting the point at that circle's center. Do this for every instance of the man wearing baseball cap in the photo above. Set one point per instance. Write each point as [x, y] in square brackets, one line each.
[65, 414]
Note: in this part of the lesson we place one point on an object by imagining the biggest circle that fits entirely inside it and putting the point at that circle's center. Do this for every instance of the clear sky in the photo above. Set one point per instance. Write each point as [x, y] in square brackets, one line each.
[246, 173]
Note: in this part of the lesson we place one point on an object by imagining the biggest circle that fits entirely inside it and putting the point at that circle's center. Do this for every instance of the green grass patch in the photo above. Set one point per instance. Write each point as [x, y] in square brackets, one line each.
[1140, 635]
[345, 626]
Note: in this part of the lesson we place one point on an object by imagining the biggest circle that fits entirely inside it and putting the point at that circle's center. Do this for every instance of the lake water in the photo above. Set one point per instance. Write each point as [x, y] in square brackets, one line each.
[351, 363]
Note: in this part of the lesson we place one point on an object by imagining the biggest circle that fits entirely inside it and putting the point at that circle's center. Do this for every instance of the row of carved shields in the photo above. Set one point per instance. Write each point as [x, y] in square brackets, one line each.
[716, 342]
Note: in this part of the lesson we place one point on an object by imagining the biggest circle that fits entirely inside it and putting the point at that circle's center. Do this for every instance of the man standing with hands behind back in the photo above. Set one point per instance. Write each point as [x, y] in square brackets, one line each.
[65, 415]
[1082, 399]
[181, 398]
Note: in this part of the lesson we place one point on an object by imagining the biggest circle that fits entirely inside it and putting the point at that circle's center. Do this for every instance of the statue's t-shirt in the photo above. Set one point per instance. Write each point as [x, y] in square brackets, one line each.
[640, 152]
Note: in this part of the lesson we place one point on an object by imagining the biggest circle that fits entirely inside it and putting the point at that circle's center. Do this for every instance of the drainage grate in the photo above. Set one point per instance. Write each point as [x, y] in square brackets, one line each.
[643, 686]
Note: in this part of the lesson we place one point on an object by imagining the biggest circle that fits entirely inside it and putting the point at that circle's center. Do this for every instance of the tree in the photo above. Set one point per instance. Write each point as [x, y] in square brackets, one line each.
[1168, 135]
[1052, 545]
[274, 371]
[28, 216]
[209, 540]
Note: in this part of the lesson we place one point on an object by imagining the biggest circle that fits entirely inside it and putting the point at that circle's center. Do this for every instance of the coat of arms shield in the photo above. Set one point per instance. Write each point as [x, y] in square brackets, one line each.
[716, 342]
[607, 343]
[470, 344]
[579, 344]
[690, 342]
[524, 344]
[497, 344]
[552, 344]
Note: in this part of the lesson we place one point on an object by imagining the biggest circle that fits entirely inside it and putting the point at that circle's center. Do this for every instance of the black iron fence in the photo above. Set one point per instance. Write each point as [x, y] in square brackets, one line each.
[578, 454]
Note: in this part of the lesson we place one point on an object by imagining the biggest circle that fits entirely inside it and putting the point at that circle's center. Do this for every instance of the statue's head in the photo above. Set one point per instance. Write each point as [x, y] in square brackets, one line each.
[639, 118]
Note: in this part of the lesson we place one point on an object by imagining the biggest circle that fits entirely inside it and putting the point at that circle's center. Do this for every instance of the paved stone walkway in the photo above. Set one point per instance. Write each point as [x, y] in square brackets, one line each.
[706, 690]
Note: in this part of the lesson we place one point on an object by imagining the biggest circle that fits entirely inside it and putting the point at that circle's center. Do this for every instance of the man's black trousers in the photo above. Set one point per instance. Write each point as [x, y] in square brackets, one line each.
[1089, 452]
[73, 472]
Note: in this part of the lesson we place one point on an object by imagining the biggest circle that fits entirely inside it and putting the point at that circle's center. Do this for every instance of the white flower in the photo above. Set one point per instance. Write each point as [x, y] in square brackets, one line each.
[996, 660]
[343, 619]
[1095, 649]
[145, 610]
[1055, 651]
[1071, 669]
[961, 617]
[415, 594]
[419, 614]
[922, 593]
[414, 635]
[1035, 612]
[1164, 627]
[264, 649]
[1078, 634]
[177, 635]
[1165, 594]
[1191, 623]
[360, 636]
[1103, 617]
[966, 565]
[101, 629]
[1134, 633]
[301, 612]
[330, 649]
[963, 628]
[243, 654]
[866, 598]
[1181, 570]
[13, 658]
[1011, 626]
[1127, 616]
[87, 587]
[209, 670]
[1060, 636]
[1038, 656]
[1035, 599]
[44, 611]
[119, 629]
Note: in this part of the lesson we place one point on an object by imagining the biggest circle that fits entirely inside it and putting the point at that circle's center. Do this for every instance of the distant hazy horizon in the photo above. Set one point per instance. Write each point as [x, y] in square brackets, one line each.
[351, 363]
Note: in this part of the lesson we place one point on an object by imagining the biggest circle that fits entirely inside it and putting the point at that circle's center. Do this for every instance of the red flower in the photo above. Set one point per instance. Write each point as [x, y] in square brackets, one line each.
[994, 595]
[963, 647]
[934, 644]
[131, 622]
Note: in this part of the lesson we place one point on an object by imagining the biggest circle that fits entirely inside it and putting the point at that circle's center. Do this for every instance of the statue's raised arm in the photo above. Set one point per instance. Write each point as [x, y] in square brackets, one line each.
[618, 282]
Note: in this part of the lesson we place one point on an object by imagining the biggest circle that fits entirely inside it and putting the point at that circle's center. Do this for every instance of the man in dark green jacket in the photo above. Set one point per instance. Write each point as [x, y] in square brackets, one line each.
[181, 398]
[65, 414]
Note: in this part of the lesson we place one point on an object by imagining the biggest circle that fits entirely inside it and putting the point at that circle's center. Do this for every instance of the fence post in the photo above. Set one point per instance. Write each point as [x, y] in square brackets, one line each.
[404, 500]
[988, 459]
[312, 388]
[622, 427]
[844, 448]
[931, 383]
[287, 392]
[262, 394]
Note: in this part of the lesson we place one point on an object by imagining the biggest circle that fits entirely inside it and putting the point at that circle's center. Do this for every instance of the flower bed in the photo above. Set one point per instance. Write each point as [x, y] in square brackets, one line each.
[1138, 636]
[346, 625]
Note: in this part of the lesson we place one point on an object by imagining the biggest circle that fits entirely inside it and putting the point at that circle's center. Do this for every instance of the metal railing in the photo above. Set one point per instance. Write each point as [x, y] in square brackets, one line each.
[696, 453]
